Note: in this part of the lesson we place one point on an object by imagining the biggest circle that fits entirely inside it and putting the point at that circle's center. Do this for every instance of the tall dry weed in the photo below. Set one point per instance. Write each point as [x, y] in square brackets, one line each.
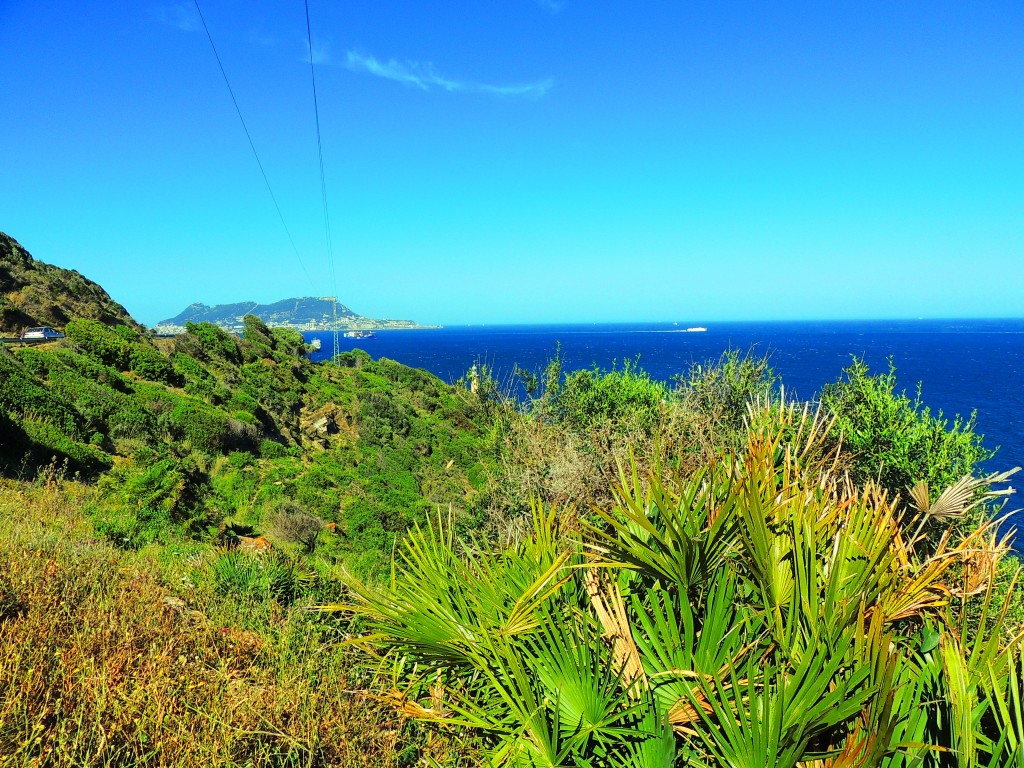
[102, 665]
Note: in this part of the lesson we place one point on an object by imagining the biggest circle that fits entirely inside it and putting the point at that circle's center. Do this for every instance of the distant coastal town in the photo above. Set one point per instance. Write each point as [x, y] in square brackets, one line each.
[301, 313]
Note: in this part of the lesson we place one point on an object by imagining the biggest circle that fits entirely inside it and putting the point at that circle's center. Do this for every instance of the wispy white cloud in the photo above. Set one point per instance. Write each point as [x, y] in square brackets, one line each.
[423, 76]
[181, 16]
[554, 6]
[321, 52]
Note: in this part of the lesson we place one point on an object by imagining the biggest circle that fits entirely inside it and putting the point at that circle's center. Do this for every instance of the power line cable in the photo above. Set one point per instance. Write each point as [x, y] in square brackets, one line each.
[323, 182]
[252, 146]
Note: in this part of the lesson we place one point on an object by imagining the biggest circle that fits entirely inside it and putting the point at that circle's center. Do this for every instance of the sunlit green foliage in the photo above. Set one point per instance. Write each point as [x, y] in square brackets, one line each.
[101, 342]
[895, 440]
[400, 444]
[762, 612]
[144, 501]
[626, 399]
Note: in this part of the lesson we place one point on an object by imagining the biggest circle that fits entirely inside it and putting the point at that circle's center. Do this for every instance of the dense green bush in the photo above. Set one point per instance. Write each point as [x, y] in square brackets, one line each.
[102, 342]
[24, 395]
[91, 369]
[258, 335]
[214, 342]
[356, 358]
[895, 440]
[49, 443]
[270, 449]
[626, 399]
[149, 363]
[289, 342]
[132, 422]
[200, 425]
[149, 499]
[715, 395]
[382, 420]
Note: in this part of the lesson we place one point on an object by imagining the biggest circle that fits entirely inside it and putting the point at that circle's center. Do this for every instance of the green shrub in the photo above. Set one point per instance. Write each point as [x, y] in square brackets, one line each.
[215, 342]
[356, 358]
[132, 422]
[91, 369]
[289, 341]
[24, 395]
[188, 368]
[895, 440]
[246, 418]
[381, 420]
[240, 460]
[624, 399]
[146, 500]
[257, 334]
[48, 442]
[108, 345]
[241, 401]
[269, 449]
[715, 395]
[130, 529]
[149, 363]
[200, 425]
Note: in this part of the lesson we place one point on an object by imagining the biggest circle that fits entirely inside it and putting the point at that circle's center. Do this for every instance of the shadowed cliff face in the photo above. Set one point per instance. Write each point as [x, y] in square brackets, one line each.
[33, 293]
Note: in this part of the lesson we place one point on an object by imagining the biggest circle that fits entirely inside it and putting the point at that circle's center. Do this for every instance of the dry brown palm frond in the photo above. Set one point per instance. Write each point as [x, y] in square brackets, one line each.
[920, 497]
[962, 496]
[863, 748]
[981, 559]
[927, 585]
[802, 433]
[409, 707]
[954, 502]
[610, 609]
[683, 713]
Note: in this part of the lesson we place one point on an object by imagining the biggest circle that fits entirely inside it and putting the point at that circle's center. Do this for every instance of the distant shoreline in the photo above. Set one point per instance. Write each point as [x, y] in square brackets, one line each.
[163, 329]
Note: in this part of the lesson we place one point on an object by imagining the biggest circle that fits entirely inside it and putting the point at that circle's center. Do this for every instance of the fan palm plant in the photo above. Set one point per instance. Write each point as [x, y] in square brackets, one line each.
[761, 612]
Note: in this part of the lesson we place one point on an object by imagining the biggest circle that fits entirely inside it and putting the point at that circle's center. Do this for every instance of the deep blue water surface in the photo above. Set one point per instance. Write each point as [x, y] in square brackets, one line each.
[964, 365]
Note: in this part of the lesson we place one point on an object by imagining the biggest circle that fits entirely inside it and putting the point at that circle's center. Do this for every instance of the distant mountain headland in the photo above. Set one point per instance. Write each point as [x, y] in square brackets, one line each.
[304, 313]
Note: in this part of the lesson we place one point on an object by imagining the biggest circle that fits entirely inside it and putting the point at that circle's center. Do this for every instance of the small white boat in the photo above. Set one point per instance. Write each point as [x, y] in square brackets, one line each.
[696, 329]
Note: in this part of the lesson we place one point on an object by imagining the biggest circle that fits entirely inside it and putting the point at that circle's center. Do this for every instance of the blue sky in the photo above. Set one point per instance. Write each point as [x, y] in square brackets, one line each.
[526, 160]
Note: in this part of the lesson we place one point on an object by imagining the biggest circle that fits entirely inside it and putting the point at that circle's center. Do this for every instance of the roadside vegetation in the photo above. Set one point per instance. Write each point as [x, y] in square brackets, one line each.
[608, 570]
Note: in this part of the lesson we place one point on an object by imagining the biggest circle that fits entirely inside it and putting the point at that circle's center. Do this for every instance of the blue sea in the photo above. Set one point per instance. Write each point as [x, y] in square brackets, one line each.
[963, 365]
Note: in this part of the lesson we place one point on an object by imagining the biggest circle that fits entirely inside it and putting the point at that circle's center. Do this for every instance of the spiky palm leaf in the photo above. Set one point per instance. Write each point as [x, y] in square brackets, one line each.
[762, 612]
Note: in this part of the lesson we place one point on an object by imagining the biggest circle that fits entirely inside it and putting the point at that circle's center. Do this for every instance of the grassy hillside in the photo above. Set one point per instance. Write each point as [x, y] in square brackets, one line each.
[33, 293]
[172, 655]
[229, 431]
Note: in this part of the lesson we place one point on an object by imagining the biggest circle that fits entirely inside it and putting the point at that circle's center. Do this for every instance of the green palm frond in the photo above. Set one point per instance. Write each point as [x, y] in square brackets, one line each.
[761, 612]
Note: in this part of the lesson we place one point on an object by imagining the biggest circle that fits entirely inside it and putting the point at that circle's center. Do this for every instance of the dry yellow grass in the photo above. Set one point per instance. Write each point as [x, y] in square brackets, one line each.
[102, 665]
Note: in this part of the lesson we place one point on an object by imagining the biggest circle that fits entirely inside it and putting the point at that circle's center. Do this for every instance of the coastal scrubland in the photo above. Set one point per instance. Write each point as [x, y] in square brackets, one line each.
[213, 551]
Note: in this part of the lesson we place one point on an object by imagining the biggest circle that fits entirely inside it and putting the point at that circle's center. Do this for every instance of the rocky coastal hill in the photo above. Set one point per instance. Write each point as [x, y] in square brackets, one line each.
[305, 313]
[34, 293]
